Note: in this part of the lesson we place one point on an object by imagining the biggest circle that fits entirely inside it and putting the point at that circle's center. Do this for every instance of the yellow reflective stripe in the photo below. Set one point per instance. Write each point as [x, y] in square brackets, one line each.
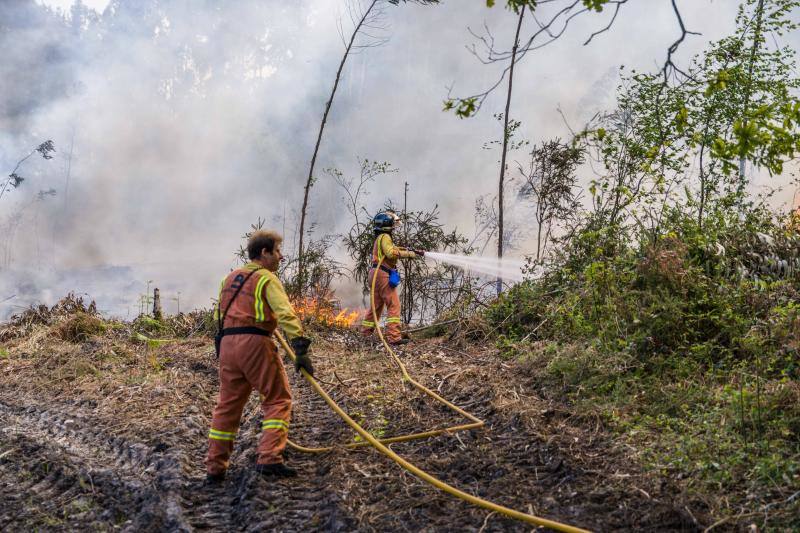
[368, 323]
[275, 421]
[221, 435]
[279, 428]
[260, 298]
[219, 297]
[393, 320]
[275, 424]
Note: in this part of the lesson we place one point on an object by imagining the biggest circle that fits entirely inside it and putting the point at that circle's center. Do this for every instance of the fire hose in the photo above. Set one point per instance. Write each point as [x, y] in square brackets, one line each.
[380, 444]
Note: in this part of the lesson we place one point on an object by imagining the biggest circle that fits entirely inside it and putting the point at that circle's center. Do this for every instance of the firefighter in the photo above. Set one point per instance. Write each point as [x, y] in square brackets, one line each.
[252, 303]
[385, 292]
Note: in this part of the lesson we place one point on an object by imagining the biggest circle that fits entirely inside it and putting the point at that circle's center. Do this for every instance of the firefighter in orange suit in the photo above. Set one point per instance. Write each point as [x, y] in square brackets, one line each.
[385, 293]
[252, 303]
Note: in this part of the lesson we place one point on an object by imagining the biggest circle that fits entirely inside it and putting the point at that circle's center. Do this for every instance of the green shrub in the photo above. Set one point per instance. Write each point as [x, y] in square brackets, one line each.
[685, 341]
[79, 327]
[148, 325]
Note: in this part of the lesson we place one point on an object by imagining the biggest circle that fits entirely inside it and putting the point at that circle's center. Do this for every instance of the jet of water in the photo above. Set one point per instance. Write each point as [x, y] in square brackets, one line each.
[507, 269]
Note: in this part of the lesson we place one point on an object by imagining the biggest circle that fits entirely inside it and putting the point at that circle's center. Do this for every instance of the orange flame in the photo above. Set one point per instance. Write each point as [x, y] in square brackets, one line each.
[326, 312]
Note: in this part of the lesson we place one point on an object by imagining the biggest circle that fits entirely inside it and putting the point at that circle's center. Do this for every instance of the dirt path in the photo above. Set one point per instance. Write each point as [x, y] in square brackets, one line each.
[63, 467]
[128, 455]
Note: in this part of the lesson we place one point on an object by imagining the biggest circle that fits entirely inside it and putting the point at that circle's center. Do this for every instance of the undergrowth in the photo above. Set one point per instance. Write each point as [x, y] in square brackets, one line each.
[685, 344]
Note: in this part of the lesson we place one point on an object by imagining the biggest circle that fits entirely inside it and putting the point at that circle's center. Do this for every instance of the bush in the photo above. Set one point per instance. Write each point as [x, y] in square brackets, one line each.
[689, 342]
[79, 327]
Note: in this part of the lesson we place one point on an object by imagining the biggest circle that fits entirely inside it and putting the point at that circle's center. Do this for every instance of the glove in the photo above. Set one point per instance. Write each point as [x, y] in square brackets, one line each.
[420, 253]
[302, 360]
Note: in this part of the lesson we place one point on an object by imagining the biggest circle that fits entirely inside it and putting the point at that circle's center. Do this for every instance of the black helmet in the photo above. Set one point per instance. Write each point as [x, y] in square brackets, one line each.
[385, 222]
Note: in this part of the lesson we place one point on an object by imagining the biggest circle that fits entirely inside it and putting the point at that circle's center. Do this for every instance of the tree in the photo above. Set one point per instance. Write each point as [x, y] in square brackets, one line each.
[676, 147]
[762, 83]
[369, 22]
[506, 135]
[549, 182]
[558, 14]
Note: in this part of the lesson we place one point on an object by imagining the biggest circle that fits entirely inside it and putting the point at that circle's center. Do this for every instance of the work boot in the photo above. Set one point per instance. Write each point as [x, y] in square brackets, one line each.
[276, 470]
[400, 342]
[215, 479]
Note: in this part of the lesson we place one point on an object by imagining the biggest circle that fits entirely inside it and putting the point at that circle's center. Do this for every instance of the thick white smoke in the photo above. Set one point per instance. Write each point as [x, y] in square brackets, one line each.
[177, 124]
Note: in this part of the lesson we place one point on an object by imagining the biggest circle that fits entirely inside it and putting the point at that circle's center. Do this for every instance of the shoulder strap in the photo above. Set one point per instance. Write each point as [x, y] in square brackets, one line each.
[221, 317]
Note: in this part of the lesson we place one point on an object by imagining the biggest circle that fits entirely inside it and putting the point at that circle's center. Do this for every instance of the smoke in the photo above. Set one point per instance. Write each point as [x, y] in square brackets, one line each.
[173, 128]
[178, 124]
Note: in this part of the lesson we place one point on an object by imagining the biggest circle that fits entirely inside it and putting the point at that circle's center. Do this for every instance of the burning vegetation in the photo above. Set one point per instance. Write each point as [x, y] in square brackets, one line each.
[326, 312]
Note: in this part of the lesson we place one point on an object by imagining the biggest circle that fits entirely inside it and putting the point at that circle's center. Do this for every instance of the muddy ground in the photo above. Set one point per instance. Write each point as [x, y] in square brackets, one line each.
[106, 433]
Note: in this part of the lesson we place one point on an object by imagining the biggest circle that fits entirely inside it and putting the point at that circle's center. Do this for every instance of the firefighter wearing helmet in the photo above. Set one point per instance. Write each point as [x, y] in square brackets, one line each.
[384, 273]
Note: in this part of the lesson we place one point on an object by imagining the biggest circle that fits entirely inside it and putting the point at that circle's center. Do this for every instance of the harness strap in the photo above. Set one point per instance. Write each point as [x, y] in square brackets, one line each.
[383, 267]
[221, 317]
[246, 330]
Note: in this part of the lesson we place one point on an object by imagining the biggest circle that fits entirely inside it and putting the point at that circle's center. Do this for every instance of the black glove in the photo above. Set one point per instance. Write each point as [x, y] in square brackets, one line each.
[420, 253]
[302, 360]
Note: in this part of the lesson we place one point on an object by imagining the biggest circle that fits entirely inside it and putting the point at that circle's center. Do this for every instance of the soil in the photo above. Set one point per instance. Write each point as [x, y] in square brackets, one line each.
[110, 434]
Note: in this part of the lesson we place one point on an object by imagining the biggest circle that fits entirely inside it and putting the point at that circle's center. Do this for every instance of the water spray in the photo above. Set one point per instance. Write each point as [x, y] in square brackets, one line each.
[505, 268]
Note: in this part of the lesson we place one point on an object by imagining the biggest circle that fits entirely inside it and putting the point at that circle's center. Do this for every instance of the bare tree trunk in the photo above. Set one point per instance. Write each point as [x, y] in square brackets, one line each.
[749, 87]
[310, 178]
[158, 314]
[703, 185]
[505, 150]
[408, 297]
[539, 238]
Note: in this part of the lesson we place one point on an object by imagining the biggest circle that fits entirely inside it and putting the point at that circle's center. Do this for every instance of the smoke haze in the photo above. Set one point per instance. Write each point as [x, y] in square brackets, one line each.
[178, 123]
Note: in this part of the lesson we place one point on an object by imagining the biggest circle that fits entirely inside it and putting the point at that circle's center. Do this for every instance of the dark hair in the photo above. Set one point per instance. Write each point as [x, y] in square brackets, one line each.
[261, 239]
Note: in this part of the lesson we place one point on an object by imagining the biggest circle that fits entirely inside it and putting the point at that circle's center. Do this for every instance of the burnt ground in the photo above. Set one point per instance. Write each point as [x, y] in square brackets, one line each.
[108, 434]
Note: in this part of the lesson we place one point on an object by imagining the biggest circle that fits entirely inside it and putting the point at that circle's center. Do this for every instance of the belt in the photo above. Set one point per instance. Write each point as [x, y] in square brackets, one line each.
[383, 267]
[246, 330]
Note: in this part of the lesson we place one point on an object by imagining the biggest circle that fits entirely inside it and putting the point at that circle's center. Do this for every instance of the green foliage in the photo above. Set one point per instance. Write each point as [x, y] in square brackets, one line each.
[754, 88]
[516, 5]
[149, 326]
[80, 327]
[738, 103]
[462, 107]
[688, 344]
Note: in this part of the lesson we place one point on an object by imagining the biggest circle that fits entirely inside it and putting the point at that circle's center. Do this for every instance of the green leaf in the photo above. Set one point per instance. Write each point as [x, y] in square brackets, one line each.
[595, 5]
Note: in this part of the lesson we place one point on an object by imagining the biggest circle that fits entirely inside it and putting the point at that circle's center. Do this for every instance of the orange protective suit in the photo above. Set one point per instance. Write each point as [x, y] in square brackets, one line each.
[384, 294]
[251, 361]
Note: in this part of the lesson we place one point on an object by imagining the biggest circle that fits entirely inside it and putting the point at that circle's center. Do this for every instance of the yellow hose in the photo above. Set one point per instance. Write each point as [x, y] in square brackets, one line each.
[441, 485]
[378, 445]
[475, 422]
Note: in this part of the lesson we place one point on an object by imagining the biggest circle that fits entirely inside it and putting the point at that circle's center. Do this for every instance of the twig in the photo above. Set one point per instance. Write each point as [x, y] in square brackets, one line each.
[7, 452]
[451, 374]
[340, 379]
[446, 322]
[691, 515]
[486, 521]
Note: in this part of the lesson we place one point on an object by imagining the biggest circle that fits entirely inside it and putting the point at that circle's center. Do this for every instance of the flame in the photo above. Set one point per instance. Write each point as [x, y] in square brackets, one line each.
[326, 312]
